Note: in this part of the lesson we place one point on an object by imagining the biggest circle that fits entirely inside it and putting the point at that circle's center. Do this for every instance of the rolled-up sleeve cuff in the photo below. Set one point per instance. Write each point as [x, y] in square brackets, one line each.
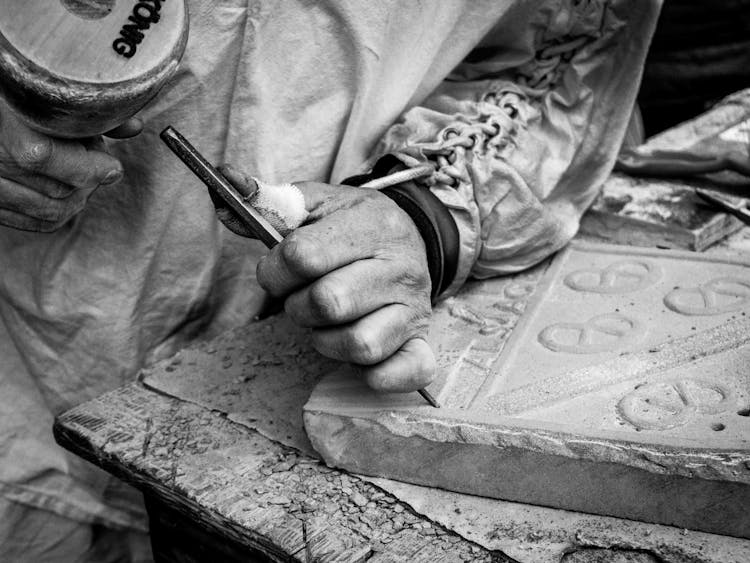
[467, 223]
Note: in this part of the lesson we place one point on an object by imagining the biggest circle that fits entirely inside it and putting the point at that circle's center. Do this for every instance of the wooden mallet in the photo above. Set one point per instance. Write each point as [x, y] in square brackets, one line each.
[78, 68]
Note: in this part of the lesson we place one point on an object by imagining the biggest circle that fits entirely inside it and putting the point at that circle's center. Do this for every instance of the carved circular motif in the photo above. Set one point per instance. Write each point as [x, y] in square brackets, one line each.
[623, 276]
[719, 295]
[518, 290]
[89, 9]
[598, 334]
[668, 404]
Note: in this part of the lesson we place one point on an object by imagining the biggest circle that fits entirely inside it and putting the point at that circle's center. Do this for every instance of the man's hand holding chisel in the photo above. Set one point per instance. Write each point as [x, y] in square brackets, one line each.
[355, 272]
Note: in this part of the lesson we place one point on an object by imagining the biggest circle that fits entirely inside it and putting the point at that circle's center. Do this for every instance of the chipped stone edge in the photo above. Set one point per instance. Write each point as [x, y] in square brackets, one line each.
[716, 465]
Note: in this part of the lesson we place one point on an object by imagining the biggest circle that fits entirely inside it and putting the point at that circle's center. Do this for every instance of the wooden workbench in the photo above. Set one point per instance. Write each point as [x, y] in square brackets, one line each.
[218, 491]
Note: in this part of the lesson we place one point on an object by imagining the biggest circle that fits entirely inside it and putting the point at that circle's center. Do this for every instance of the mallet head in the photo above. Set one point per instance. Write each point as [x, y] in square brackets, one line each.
[77, 68]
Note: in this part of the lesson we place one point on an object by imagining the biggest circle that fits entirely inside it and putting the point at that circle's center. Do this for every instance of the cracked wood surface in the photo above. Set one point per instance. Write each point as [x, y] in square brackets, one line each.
[245, 490]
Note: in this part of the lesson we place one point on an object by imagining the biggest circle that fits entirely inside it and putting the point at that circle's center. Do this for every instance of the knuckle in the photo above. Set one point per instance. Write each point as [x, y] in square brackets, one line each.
[49, 227]
[35, 156]
[261, 273]
[290, 248]
[268, 277]
[59, 212]
[9, 219]
[91, 177]
[420, 325]
[327, 301]
[266, 274]
[85, 179]
[301, 255]
[54, 213]
[26, 222]
[417, 282]
[58, 190]
[29, 223]
[364, 347]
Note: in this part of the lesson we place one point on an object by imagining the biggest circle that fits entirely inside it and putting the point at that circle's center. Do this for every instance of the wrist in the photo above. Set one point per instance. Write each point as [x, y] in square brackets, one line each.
[432, 219]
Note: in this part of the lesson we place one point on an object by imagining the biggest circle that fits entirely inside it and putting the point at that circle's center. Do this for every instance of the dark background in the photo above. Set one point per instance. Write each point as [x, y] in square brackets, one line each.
[699, 54]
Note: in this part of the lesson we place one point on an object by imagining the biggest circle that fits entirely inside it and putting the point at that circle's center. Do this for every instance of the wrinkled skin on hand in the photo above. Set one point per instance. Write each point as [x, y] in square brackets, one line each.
[44, 181]
[356, 274]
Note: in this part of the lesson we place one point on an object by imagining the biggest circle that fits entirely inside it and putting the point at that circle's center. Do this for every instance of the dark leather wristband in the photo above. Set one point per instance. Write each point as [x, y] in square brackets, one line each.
[437, 227]
[432, 219]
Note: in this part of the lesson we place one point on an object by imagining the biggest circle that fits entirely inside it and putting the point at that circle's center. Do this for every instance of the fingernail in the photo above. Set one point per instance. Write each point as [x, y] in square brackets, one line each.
[112, 177]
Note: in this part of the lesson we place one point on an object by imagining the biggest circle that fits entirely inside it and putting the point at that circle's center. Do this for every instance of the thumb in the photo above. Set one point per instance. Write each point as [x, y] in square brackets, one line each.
[412, 367]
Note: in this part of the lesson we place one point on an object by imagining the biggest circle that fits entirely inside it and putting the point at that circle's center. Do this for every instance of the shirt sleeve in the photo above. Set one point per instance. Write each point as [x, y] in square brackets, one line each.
[523, 133]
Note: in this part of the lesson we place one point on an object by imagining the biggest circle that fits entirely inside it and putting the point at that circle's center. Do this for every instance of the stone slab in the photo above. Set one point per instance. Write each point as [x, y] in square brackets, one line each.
[261, 375]
[666, 212]
[614, 381]
[656, 212]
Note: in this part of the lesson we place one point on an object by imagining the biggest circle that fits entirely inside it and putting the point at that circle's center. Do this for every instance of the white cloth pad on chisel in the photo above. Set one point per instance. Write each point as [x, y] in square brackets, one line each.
[282, 205]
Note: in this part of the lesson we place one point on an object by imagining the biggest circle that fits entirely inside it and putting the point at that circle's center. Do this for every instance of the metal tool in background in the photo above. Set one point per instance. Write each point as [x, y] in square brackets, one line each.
[680, 164]
[221, 187]
[726, 204]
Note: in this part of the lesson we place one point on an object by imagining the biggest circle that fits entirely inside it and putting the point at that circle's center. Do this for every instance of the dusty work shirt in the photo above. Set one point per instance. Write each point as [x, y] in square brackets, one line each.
[520, 137]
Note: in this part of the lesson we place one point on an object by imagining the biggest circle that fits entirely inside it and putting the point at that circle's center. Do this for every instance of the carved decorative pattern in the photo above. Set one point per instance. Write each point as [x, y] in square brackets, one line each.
[668, 404]
[598, 334]
[716, 296]
[623, 276]
[487, 325]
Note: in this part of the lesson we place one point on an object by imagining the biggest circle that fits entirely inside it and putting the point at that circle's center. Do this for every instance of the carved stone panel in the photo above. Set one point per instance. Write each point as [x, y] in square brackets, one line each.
[611, 380]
